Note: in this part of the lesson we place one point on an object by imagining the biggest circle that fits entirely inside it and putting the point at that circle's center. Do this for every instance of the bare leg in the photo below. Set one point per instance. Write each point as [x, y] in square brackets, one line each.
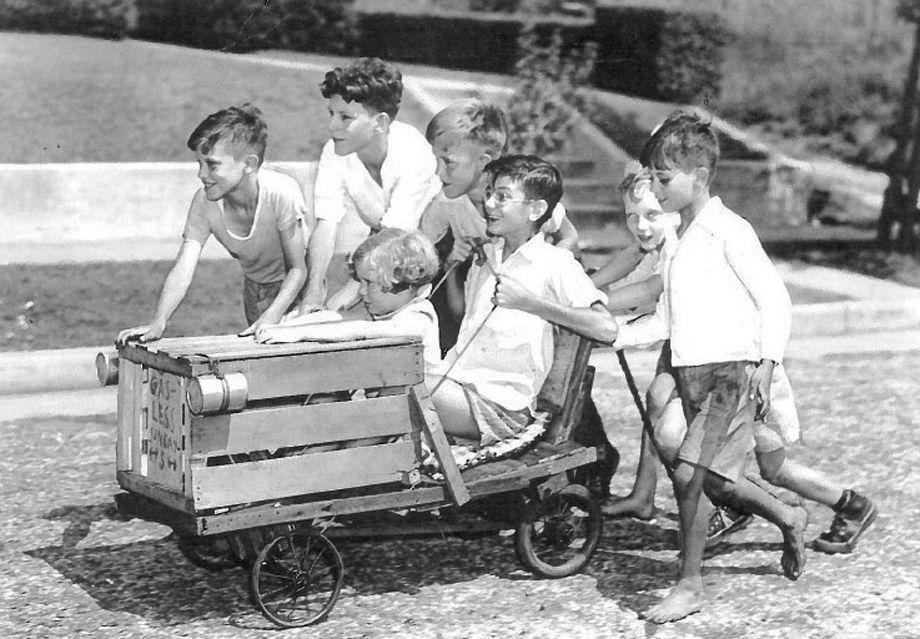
[803, 481]
[454, 411]
[640, 502]
[791, 520]
[686, 597]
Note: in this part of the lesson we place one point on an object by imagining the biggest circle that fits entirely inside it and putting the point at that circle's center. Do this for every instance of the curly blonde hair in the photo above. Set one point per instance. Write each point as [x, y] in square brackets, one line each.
[399, 259]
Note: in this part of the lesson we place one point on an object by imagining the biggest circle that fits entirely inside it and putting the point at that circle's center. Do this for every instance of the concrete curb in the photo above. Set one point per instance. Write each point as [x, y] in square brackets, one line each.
[25, 372]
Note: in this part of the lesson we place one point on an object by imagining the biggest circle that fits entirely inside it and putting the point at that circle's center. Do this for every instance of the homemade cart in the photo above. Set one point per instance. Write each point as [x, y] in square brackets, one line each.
[249, 452]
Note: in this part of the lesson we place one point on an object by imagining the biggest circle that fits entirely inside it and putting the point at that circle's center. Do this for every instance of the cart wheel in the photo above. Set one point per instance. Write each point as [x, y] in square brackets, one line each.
[557, 536]
[296, 579]
[206, 552]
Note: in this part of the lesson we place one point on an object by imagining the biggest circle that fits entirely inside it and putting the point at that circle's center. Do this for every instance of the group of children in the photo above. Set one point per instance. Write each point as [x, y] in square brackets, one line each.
[506, 274]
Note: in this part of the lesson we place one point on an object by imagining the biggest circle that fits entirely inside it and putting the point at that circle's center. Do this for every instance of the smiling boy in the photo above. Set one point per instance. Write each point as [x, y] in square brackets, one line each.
[373, 173]
[256, 214]
[511, 301]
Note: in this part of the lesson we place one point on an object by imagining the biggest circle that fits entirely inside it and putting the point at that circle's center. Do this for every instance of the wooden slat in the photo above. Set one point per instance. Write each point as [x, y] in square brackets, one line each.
[138, 417]
[127, 379]
[216, 486]
[516, 478]
[563, 383]
[329, 371]
[249, 349]
[273, 428]
[428, 417]
[142, 486]
[271, 514]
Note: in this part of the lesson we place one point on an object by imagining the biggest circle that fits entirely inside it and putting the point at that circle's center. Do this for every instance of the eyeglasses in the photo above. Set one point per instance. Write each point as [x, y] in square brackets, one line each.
[501, 198]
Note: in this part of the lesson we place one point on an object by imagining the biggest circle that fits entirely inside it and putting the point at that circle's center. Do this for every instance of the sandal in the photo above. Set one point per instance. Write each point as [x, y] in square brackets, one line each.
[723, 522]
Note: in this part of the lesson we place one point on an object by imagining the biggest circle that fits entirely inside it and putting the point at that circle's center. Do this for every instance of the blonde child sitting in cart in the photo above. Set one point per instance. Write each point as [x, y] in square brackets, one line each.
[393, 269]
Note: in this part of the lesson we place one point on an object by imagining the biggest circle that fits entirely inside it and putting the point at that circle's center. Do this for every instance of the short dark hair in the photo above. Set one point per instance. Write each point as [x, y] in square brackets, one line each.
[539, 179]
[685, 140]
[369, 81]
[471, 119]
[242, 125]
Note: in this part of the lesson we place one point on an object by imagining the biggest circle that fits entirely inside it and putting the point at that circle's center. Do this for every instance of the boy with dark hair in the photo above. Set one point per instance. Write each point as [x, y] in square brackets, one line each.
[374, 172]
[728, 316]
[523, 286]
[258, 215]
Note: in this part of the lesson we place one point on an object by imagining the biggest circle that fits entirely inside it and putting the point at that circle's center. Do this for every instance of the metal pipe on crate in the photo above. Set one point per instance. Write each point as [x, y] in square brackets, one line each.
[213, 393]
[107, 367]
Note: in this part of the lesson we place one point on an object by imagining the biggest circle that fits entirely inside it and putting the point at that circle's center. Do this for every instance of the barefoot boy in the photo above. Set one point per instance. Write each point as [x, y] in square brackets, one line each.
[257, 215]
[373, 167]
[772, 434]
[728, 315]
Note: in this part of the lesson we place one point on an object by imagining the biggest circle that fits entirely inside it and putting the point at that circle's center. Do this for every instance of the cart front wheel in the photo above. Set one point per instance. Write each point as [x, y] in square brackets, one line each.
[296, 578]
[557, 535]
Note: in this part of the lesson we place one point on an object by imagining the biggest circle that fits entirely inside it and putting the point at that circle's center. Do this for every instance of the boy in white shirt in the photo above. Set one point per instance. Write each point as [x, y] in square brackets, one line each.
[465, 136]
[728, 315]
[511, 299]
[375, 169]
[258, 215]
[772, 434]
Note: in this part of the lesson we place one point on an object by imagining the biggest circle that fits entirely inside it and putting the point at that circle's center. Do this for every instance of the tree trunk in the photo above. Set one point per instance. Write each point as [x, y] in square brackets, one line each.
[895, 204]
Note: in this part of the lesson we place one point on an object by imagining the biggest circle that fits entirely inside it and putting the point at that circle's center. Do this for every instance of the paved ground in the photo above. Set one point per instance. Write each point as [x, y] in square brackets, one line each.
[74, 569]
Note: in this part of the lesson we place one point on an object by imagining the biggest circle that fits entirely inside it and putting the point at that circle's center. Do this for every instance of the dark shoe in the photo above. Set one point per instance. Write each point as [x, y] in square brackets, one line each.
[723, 522]
[855, 513]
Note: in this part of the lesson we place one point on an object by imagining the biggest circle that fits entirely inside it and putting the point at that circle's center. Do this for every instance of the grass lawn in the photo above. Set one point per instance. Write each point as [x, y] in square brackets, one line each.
[76, 99]
[87, 304]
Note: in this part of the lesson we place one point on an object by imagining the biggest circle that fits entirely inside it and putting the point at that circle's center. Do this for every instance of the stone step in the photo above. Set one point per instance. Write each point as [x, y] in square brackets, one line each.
[591, 191]
[572, 167]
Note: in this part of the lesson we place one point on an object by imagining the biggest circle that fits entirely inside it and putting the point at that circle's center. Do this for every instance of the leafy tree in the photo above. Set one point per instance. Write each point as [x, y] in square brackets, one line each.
[899, 222]
[548, 98]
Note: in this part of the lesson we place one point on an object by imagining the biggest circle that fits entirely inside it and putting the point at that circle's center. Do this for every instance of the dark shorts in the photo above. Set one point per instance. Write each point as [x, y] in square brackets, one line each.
[719, 416]
[257, 297]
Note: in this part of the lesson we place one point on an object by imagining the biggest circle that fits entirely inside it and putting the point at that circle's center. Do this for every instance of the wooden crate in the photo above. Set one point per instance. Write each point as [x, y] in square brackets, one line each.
[299, 399]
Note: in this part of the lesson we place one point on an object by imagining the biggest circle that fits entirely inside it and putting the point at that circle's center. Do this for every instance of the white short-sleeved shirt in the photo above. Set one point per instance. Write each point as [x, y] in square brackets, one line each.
[419, 318]
[343, 184]
[280, 205]
[508, 360]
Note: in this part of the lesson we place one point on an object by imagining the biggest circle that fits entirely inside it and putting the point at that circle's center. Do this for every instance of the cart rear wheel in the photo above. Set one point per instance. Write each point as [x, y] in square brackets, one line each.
[557, 536]
[296, 578]
[207, 552]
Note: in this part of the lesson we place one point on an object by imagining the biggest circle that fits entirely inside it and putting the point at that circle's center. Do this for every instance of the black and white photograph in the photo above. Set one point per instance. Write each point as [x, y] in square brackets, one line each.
[460, 319]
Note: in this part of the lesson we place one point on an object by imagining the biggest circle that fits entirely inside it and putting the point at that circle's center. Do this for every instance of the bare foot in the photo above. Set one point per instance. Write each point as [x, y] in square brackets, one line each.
[629, 506]
[793, 559]
[684, 599]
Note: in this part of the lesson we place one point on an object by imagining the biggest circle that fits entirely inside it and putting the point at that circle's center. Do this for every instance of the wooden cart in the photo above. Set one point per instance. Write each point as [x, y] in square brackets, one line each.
[248, 451]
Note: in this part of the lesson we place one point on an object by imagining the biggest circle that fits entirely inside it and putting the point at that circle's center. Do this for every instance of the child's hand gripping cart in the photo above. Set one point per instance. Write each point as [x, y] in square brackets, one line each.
[248, 451]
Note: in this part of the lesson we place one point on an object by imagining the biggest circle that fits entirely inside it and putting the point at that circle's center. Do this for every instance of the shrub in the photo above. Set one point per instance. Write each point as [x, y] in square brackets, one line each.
[459, 40]
[548, 98]
[244, 25]
[664, 55]
[100, 18]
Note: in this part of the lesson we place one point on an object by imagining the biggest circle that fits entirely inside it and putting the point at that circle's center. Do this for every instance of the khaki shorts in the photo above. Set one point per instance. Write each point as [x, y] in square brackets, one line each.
[719, 414]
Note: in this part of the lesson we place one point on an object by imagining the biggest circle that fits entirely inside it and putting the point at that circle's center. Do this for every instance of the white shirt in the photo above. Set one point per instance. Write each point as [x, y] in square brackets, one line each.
[261, 253]
[723, 299]
[508, 360]
[418, 317]
[408, 182]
